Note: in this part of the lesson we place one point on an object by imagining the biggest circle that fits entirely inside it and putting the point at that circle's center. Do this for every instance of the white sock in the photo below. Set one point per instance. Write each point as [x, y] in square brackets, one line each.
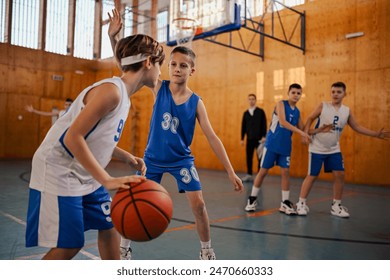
[302, 200]
[205, 245]
[285, 195]
[255, 191]
[336, 202]
[125, 243]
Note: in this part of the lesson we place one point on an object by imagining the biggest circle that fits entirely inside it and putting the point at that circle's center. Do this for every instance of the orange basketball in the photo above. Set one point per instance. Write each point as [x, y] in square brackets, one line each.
[142, 212]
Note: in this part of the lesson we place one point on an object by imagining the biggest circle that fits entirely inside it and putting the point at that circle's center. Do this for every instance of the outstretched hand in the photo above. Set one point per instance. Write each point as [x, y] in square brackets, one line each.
[306, 138]
[137, 163]
[122, 182]
[29, 108]
[382, 134]
[115, 23]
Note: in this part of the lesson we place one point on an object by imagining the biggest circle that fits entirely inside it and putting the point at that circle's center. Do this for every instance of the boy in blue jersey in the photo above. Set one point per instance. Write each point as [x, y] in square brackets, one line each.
[324, 148]
[277, 150]
[172, 126]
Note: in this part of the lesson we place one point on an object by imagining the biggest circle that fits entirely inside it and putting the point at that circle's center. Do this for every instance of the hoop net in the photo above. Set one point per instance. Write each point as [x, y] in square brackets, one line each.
[185, 30]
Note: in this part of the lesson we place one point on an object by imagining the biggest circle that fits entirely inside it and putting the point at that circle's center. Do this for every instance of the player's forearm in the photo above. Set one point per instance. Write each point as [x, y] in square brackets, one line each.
[121, 154]
[366, 131]
[80, 150]
[42, 113]
[220, 151]
[113, 42]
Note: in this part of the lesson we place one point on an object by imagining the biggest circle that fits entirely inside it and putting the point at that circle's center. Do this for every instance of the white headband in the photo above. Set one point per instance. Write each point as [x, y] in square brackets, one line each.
[133, 59]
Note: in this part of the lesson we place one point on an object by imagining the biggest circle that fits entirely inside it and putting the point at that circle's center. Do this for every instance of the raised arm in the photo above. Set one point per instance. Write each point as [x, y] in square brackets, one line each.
[114, 27]
[216, 145]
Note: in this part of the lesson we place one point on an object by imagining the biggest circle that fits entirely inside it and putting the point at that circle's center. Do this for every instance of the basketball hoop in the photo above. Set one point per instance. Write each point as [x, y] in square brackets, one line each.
[185, 30]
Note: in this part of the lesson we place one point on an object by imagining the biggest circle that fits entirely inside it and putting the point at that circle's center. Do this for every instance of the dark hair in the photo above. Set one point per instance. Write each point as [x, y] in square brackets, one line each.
[339, 84]
[138, 44]
[69, 100]
[186, 51]
[252, 94]
[297, 86]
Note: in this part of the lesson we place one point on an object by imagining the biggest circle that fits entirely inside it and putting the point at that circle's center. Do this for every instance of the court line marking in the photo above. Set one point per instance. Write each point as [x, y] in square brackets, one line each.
[269, 212]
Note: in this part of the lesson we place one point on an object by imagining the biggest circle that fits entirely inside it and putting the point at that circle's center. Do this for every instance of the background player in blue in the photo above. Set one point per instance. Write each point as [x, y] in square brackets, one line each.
[277, 150]
[324, 148]
[172, 125]
[68, 169]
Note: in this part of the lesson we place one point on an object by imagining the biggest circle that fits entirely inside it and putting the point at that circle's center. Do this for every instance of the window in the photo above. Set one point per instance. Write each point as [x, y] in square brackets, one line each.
[57, 26]
[253, 8]
[162, 24]
[128, 22]
[25, 23]
[84, 29]
[3, 26]
[288, 3]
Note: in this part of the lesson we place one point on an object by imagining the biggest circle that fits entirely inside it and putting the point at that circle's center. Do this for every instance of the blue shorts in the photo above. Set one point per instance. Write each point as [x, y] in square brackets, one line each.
[60, 221]
[332, 162]
[186, 175]
[270, 159]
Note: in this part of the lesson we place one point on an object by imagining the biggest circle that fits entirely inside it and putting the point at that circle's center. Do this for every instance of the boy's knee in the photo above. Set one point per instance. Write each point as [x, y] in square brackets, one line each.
[199, 209]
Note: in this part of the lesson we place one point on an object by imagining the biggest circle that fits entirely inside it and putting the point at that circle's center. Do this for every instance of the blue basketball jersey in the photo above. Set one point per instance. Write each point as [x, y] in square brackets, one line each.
[171, 129]
[279, 138]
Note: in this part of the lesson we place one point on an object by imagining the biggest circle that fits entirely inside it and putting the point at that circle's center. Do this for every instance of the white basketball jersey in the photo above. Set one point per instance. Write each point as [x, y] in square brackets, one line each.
[328, 142]
[55, 170]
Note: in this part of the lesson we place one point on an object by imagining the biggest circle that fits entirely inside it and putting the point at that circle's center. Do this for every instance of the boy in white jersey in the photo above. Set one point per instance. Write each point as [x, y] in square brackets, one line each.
[277, 149]
[324, 148]
[172, 127]
[67, 196]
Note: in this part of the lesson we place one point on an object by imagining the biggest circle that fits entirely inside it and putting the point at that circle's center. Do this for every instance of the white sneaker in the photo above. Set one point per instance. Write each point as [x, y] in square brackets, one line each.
[125, 253]
[287, 207]
[247, 178]
[302, 209]
[207, 254]
[339, 211]
[251, 207]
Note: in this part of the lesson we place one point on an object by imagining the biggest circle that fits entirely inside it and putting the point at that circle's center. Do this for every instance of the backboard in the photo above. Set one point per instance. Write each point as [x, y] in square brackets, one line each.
[196, 19]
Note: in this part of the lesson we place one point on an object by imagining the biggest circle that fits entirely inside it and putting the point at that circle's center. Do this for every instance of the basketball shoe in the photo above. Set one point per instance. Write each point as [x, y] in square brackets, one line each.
[287, 207]
[207, 254]
[302, 209]
[251, 207]
[339, 211]
[125, 253]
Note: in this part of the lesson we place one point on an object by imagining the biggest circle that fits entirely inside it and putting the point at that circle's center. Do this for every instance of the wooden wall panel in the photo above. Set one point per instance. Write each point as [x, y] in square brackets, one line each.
[21, 136]
[372, 111]
[224, 77]
[3, 115]
[3, 78]
[27, 79]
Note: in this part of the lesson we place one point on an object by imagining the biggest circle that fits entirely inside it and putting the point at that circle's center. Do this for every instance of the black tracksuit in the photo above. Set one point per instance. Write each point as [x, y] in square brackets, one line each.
[255, 128]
